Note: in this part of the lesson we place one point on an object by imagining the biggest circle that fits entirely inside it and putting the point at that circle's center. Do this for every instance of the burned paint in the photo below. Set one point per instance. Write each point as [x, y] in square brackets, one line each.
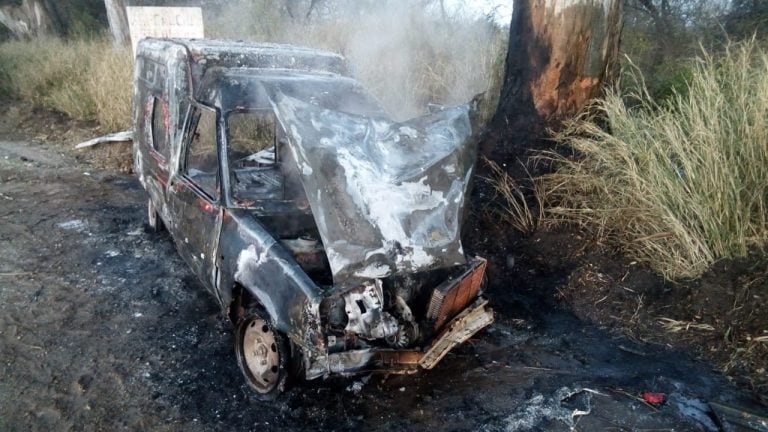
[293, 195]
[389, 194]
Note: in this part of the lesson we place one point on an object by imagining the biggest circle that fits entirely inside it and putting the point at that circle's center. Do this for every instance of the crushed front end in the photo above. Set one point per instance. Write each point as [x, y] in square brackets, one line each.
[388, 198]
[400, 324]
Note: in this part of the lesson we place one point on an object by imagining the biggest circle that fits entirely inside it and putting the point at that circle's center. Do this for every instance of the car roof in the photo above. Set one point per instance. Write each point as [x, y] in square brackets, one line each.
[254, 88]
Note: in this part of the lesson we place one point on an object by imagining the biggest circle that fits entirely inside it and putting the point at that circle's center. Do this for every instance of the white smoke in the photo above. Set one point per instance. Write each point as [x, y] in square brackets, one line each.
[405, 53]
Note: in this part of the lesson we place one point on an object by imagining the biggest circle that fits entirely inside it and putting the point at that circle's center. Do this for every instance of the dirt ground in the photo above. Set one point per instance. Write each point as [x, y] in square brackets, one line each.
[102, 327]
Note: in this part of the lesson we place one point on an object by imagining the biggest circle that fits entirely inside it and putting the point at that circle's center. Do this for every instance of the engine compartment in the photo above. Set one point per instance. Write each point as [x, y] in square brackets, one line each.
[399, 312]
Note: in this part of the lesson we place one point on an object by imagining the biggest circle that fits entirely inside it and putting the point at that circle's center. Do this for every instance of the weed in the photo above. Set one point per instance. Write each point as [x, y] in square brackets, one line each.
[110, 87]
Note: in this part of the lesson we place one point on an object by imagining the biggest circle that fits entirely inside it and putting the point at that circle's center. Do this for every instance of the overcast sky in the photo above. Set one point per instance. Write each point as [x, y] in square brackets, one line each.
[502, 9]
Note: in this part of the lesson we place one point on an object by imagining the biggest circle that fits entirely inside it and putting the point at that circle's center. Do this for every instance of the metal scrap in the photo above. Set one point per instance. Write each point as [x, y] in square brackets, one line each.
[113, 137]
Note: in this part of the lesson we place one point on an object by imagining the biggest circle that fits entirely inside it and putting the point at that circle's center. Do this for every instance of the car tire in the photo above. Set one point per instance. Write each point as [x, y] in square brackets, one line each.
[263, 355]
[154, 223]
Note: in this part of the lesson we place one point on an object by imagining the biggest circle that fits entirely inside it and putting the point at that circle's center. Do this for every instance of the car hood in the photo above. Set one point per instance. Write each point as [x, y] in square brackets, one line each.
[387, 196]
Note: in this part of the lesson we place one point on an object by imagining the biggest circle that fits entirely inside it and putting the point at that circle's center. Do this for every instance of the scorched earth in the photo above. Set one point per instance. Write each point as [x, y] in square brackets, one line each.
[103, 327]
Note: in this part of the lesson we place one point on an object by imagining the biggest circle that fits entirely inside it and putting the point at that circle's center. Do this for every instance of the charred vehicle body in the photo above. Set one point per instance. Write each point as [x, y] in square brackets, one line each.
[329, 233]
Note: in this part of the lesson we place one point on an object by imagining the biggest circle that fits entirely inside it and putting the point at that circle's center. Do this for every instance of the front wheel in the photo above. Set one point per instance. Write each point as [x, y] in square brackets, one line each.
[263, 355]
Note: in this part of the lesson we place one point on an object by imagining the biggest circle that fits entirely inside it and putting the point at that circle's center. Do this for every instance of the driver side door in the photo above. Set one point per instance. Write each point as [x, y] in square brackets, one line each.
[195, 196]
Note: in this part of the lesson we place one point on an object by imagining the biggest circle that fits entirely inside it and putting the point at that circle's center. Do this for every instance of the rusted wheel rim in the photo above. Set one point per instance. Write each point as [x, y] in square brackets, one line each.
[261, 355]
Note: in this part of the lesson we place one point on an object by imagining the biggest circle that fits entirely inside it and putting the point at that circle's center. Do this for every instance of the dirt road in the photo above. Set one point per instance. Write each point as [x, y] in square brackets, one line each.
[102, 327]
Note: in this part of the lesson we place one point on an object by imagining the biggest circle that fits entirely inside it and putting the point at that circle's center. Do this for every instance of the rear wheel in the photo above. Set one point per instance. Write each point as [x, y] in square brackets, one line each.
[263, 355]
[154, 222]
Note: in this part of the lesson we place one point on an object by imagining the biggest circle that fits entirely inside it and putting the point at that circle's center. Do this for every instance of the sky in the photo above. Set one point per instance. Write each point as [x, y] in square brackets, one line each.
[502, 9]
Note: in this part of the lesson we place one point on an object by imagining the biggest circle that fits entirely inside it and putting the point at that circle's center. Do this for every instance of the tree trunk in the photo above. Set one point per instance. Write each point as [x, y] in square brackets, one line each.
[118, 22]
[561, 52]
[33, 18]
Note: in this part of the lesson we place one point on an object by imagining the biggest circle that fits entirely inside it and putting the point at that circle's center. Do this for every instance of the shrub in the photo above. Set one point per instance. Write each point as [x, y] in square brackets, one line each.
[664, 81]
[681, 183]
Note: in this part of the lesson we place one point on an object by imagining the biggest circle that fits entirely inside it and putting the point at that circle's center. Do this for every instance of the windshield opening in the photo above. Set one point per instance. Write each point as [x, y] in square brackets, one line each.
[254, 169]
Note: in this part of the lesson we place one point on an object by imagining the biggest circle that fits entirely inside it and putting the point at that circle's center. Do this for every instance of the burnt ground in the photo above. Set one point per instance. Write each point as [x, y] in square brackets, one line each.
[102, 327]
[719, 317]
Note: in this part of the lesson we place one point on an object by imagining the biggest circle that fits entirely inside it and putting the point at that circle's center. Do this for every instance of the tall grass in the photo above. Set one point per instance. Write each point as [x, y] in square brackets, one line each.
[85, 79]
[681, 184]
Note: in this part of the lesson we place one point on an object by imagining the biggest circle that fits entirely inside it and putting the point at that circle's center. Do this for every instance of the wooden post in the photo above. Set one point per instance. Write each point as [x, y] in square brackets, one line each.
[118, 22]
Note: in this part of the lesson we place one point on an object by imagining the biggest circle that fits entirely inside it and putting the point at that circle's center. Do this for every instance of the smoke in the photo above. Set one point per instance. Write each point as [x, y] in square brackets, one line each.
[407, 54]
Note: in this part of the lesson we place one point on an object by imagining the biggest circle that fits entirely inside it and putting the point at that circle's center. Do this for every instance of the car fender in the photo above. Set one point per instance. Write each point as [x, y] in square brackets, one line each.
[250, 257]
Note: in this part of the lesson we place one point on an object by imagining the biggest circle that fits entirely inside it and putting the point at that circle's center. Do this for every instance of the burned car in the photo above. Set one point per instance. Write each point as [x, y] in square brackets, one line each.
[328, 233]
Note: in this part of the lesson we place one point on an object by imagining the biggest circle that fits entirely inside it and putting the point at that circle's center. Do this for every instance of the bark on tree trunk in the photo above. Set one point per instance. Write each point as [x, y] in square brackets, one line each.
[33, 18]
[118, 22]
[561, 52]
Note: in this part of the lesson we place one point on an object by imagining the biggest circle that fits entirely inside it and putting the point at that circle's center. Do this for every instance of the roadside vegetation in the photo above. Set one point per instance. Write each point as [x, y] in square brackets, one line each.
[86, 79]
[670, 165]
[681, 183]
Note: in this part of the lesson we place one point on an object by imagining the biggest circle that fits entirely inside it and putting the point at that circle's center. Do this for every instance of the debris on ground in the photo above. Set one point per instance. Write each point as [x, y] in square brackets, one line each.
[652, 398]
[109, 138]
[566, 405]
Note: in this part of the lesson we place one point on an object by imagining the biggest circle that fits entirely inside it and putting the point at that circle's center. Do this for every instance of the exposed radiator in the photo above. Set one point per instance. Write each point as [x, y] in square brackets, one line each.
[453, 295]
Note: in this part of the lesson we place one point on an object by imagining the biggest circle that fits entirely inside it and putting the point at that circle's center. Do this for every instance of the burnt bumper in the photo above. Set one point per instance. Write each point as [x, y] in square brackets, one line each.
[470, 321]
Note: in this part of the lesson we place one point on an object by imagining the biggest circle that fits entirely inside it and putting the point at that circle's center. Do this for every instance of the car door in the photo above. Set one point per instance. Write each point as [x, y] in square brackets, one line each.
[152, 129]
[195, 195]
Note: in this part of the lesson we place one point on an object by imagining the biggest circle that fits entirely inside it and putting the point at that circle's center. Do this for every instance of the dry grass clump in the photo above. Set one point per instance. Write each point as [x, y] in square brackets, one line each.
[85, 79]
[512, 200]
[678, 185]
[110, 87]
[676, 326]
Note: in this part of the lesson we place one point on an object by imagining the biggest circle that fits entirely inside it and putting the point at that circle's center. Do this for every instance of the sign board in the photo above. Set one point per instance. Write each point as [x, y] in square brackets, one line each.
[164, 22]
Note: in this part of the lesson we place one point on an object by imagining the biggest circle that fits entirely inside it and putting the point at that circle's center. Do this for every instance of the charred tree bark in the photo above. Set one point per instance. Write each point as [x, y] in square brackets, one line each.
[561, 53]
[32, 18]
[118, 22]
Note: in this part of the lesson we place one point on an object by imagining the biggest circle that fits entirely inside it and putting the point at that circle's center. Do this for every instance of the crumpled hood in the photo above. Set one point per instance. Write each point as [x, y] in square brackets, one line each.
[387, 196]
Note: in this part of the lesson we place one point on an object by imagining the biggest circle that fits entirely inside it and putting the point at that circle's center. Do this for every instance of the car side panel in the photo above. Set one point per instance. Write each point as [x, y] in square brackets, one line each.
[251, 257]
[161, 71]
[199, 223]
